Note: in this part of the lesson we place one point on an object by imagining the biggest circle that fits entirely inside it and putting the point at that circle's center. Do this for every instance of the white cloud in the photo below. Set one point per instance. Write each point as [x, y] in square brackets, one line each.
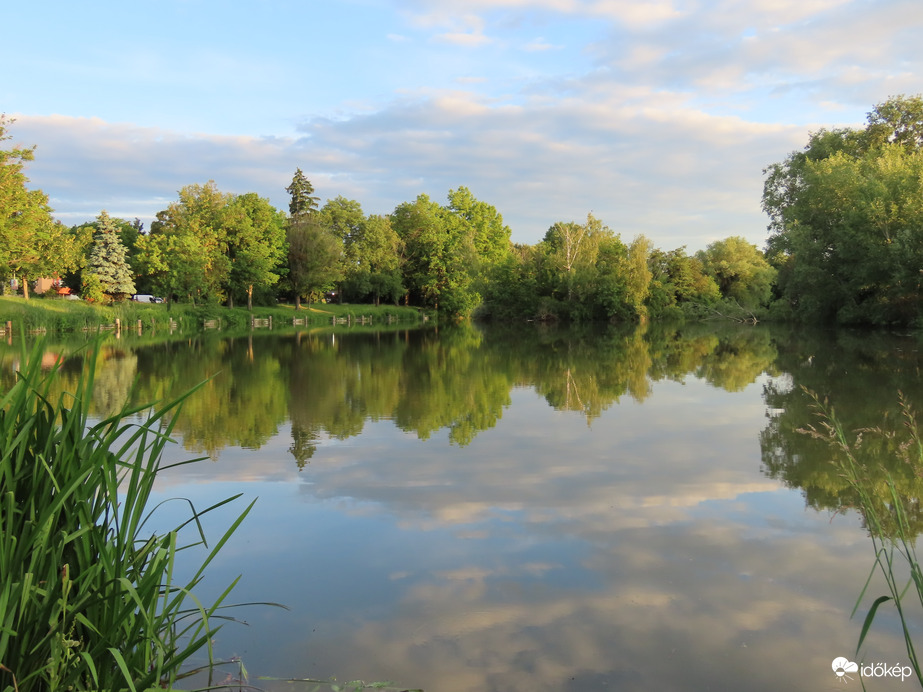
[661, 125]
[659, 167]
[539, 44]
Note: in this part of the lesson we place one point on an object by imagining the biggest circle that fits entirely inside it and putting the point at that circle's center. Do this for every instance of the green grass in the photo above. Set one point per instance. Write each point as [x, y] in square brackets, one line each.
[60, 315]
[88, 598]
[886, 514]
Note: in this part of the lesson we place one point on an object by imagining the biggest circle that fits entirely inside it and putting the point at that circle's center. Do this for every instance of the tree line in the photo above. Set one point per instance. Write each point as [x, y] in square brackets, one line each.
[845, 244]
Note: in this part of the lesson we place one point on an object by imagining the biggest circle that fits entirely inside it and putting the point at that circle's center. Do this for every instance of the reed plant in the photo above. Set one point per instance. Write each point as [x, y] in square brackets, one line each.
[89, 599]
[886, 511]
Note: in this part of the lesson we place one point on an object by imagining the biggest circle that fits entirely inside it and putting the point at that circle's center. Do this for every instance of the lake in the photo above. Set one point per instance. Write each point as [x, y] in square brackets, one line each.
[538, 508]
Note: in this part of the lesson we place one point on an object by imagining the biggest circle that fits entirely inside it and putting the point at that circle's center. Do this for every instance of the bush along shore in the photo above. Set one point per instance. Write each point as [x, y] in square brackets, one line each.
[88, 599]
[57, 315]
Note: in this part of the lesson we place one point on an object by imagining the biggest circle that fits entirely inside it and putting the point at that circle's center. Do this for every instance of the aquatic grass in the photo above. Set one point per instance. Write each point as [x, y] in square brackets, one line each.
[88, 598]
[885, 511]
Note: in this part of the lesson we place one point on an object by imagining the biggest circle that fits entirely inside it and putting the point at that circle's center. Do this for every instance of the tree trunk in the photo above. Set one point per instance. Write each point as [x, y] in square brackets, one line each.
[25, 287]
[230, 300]
[298, 301]
[250, 298]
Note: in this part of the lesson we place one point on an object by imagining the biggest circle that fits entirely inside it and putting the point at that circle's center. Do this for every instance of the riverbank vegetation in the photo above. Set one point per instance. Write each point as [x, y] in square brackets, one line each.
[47, 314]
[89, 599]
[845, 246]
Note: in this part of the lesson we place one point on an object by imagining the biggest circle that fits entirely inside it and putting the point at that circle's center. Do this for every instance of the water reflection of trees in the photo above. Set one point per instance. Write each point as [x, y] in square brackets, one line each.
[455, 381]
[860, 375]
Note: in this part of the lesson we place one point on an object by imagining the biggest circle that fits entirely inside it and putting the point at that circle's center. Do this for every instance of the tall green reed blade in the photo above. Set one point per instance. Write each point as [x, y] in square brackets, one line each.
[88, 600]
[887, 522]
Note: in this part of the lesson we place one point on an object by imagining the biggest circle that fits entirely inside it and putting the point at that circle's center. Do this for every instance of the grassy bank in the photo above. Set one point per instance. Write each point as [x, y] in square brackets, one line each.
[59, 315]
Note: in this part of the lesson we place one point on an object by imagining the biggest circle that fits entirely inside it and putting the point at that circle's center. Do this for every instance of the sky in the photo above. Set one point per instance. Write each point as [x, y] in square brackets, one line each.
[657, 117]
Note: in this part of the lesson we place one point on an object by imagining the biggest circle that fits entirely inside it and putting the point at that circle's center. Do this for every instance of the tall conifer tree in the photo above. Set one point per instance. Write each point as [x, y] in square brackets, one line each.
[108, 260]
[302, 192]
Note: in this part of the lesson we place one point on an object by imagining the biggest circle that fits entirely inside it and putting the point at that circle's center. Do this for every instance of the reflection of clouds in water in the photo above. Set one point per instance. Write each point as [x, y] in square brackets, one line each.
[641, 464]
[647, 552]
[666, 613]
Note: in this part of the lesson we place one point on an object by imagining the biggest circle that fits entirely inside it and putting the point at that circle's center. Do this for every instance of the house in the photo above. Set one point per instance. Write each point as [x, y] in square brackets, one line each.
[45, 284]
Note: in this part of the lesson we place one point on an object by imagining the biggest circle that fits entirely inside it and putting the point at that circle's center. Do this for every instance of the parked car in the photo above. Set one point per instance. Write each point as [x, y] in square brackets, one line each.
[144, 298]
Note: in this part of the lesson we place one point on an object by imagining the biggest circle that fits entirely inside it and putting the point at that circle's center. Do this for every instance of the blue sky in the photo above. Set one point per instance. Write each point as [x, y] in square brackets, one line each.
[656, 116]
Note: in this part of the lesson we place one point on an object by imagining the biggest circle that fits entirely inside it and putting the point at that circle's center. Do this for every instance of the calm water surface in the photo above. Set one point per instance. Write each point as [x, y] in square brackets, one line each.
[536, 509]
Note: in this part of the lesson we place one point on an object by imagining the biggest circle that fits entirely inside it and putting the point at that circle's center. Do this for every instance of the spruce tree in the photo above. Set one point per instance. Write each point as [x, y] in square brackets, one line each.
[108, 260]
[302, 191]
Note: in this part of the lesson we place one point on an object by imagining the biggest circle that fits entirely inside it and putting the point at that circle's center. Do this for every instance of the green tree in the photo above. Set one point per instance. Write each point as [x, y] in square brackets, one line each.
[375, 271]
[108, 261]
[638, 274]
[845, 218]
[489, 235]
[315, 258]
[256, 245]
[512, 290]
[32, 245]
[611, 293]
[678, 280]
[574, 248]
[438, 256]
[345, 220]
[303, 201]
[186, 253]
[82, 237]
[740, 270]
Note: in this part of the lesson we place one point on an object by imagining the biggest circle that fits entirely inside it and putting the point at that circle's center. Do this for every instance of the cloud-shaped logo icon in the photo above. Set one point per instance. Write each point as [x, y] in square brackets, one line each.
[841, 666]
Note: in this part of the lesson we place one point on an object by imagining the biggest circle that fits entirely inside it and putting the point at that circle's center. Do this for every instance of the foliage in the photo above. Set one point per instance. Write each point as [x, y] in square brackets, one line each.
[108, 262]
[439, 258]
[255, 233]
[579, 272]
[82, 239]
[303, 202]
[371, 251]
[92, 289]
[32, 245]
[740, 270]
[483, 224]
[315, 259]
[377, 255]
[846, 218]
[88, 598]
[211, 246]
[185, 252]
[511, 291]
[678, 279]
